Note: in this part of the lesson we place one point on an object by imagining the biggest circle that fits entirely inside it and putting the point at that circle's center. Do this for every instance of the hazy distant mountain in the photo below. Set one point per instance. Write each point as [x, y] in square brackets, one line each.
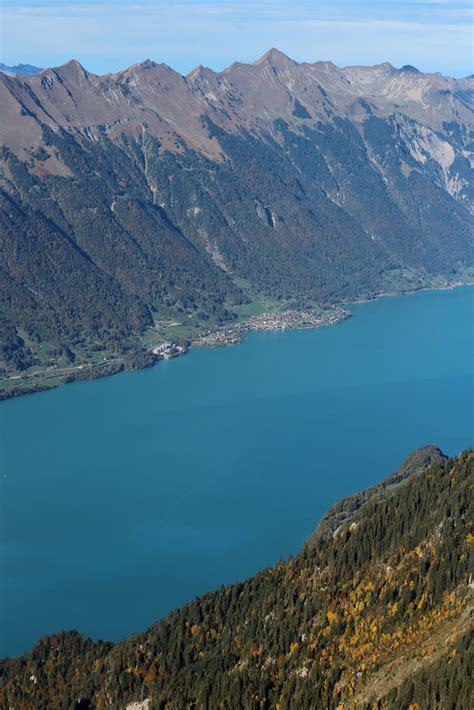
[22, 69]
[145, 194]
[374, 612]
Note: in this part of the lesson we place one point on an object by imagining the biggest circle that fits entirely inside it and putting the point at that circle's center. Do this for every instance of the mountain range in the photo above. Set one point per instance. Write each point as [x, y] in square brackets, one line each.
[23, 69]
[146, 197]
[375, 612]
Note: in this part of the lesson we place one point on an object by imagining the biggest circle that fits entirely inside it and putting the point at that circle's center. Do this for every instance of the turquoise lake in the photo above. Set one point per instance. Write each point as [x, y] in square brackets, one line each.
[123, 498]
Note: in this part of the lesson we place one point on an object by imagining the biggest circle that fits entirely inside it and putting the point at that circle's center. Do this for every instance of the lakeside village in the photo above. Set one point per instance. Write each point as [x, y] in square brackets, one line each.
[286, 320]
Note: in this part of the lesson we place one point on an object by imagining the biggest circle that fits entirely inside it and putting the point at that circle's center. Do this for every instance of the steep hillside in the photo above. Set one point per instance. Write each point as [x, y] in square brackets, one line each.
[374, 612]
[145, 197]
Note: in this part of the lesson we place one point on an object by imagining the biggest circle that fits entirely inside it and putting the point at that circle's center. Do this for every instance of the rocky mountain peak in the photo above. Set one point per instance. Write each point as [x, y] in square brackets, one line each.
[148, 69]
[71, 74]
[409, 69]
[276, 59]
[201, 74]
[72, 69]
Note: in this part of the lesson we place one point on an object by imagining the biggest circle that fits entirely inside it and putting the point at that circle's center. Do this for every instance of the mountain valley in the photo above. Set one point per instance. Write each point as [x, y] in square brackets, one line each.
[144, 206]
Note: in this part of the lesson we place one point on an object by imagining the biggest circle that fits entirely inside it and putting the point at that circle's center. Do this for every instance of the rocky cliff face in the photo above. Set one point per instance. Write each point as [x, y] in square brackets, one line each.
[162, 194]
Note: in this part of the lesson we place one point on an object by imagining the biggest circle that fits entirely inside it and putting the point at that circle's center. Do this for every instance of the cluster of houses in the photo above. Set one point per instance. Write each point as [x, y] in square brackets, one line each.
[167, 350]
[290, 319]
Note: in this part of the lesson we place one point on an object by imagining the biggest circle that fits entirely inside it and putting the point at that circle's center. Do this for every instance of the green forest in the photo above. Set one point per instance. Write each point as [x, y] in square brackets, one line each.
[375, 613]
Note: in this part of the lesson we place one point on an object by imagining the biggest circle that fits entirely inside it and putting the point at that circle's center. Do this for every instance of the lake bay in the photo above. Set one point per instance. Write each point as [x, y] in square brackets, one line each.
[123, 498]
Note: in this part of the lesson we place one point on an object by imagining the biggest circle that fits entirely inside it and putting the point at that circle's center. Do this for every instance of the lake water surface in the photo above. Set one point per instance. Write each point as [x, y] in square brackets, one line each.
[123, 498]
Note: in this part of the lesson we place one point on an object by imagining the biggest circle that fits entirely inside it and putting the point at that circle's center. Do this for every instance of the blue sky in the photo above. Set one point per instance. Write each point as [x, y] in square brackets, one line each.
[108, 35]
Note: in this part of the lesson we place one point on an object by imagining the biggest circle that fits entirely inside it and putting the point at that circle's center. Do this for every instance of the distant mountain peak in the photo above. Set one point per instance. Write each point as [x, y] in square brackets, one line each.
[410, 69]
[147, 64]
[201, 72]
[72, 68]
[275, 57]
[74, 74]
[149, 68]
[325, 64]
[19, 69]
[383, 69]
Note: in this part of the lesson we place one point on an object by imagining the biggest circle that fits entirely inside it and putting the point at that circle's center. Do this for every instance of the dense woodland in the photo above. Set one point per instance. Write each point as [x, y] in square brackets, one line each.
[374, 612]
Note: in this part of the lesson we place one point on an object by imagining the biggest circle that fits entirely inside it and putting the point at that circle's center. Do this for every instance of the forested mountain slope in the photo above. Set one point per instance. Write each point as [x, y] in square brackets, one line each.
[146, 196]
[374, 612]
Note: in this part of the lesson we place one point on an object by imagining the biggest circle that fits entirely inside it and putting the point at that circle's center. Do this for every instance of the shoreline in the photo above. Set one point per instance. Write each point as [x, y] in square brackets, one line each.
[233, 334]
[412, 292]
